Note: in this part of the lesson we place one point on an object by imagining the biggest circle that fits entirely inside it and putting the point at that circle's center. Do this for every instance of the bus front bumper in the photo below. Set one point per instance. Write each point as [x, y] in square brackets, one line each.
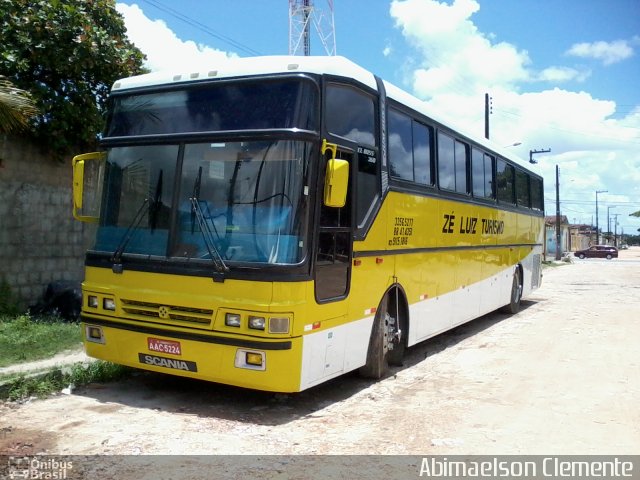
[271, 365]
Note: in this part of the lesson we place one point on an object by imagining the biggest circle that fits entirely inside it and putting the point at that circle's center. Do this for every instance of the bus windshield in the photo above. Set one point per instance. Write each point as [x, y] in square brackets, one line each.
[215, 107]
[236, 201]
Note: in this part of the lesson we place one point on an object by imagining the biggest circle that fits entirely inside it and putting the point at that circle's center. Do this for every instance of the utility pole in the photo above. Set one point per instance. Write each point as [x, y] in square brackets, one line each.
[558, 233]
[597, 228]
[609, 207]
[615, 226]
[487, 112]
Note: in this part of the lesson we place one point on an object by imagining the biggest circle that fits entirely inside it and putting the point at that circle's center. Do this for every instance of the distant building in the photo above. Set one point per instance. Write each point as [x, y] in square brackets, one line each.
[572, 237]
[581, 237]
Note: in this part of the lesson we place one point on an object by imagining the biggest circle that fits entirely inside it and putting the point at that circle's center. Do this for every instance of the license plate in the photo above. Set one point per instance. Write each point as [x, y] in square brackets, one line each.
[164, 346]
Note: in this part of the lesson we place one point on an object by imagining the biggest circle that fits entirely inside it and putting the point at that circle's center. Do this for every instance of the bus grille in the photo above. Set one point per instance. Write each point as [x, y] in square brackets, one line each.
[170, 314]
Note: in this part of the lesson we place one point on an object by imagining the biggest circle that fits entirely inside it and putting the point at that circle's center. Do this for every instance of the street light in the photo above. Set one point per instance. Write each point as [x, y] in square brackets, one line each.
[533, 152]
[597, 229]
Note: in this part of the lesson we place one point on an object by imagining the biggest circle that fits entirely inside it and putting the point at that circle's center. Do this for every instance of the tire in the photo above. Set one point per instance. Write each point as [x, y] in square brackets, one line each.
[581, 256]
[379, 355]
[609, 257]
[513, 306]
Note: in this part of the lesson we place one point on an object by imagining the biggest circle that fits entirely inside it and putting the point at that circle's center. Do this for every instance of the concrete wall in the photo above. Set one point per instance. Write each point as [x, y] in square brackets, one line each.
[40, 241]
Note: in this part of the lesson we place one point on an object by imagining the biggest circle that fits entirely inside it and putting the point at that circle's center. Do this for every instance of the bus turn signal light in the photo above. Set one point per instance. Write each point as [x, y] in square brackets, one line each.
[278, 325]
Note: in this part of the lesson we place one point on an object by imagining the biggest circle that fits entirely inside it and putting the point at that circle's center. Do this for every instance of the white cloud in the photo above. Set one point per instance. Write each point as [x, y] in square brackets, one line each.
[164, 50]
[607, 52]
[454, 52]
[563, 74]
[454, 64]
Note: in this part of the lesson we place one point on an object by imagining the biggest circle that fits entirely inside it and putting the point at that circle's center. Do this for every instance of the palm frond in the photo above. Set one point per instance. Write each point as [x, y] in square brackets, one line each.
[16, 107]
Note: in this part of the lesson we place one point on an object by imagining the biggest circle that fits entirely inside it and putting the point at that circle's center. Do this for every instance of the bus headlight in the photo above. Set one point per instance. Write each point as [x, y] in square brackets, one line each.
[232, 320]
[92, 301]
[109, 304]
[257, 323]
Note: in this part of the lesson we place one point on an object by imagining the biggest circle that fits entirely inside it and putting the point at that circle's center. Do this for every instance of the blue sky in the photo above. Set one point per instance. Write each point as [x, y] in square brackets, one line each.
[563, 74]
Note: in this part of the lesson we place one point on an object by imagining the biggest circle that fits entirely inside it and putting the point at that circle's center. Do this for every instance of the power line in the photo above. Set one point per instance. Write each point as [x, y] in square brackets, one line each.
[587, 202]
[202, 27]
[576, 132]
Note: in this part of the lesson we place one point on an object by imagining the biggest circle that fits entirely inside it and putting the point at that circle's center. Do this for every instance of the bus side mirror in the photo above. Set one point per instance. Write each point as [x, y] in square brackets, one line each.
[336, 180]
[80, 180]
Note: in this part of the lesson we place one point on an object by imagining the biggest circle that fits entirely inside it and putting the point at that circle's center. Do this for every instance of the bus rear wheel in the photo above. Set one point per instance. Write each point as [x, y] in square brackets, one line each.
[515, 299]
[385, 348]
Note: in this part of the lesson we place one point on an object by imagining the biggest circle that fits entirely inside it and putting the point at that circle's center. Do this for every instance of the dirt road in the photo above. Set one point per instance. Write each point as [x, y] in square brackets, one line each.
[560, 377]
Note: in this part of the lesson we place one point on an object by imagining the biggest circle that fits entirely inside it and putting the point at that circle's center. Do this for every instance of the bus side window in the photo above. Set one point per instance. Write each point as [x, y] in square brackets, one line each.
[452, 164]
[446, 162]
[482, 170]
[400, 146]
[522, 189]
[422, 154]
[462, 178]
[350, 114]
[505, 181]
[537, 202]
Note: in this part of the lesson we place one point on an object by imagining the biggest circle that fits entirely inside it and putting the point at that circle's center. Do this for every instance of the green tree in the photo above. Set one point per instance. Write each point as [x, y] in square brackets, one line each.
[16, 107]
[67, 54]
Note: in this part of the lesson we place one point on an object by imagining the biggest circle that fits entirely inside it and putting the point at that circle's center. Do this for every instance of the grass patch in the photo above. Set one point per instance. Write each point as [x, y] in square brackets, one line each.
[24, 339]
[9, 304]
[79, 374]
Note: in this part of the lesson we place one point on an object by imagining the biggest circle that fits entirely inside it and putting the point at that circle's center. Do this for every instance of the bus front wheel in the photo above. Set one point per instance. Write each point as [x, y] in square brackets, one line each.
[383, 349]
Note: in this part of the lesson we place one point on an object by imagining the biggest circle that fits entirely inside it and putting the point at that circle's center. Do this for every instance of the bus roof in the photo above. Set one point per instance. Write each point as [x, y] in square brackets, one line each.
[237, 67]
[331, 65]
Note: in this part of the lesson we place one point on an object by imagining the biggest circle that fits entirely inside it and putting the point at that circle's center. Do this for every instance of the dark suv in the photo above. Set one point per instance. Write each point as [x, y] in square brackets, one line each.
[598, 251]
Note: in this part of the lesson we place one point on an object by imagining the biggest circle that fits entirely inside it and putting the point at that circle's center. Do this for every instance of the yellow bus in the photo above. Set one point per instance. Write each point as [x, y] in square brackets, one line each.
[278, 221]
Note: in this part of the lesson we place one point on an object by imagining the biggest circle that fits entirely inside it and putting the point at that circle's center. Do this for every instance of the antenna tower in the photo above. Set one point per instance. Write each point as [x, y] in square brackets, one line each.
[303, 14]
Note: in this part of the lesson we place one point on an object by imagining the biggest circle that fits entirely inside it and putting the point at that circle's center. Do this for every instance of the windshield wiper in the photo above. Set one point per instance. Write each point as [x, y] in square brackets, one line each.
[153, 208]
[209, 242]
[205, 229]
[116, 258]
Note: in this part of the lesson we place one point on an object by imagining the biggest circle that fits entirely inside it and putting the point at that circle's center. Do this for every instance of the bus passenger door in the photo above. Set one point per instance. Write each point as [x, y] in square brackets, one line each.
[333, 255]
